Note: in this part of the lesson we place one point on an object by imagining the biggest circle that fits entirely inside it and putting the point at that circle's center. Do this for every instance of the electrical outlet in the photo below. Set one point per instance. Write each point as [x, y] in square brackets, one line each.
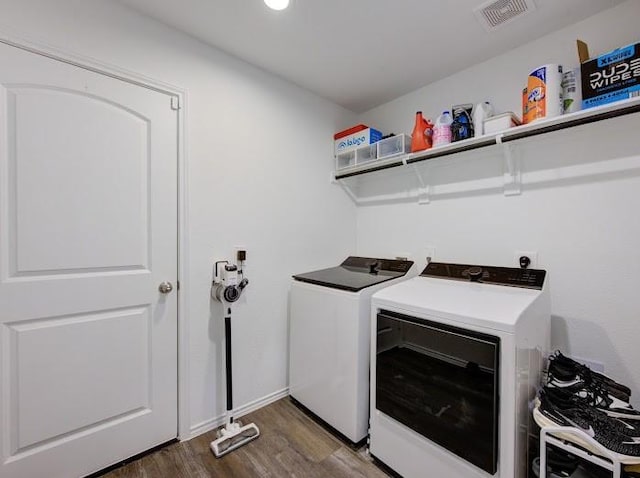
[237, 249]
[402, 256]
[592, 364]
[429, 254]
[532, 255]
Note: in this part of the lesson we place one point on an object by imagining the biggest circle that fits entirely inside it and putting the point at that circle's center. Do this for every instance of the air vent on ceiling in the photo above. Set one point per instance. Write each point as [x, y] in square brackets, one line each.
[496, 13]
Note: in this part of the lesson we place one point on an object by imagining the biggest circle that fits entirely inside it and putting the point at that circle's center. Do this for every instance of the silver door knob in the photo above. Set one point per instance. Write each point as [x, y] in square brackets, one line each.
[165, 287]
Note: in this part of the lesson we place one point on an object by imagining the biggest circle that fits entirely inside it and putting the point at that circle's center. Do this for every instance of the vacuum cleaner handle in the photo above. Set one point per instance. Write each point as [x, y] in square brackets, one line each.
[227, 348]
[233, 435]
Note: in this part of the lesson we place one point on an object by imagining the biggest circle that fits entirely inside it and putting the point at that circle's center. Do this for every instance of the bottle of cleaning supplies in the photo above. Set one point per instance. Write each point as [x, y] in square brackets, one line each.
[481, 112]
[572, 90]
[428, 132]
[462, 126]
[418, 137]
[442, 129]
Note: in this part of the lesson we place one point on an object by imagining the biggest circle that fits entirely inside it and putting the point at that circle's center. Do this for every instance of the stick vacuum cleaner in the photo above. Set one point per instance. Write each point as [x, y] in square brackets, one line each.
[227, 290]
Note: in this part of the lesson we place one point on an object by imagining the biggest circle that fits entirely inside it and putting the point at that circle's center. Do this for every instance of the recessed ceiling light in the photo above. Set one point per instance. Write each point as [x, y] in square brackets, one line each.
[277, 4]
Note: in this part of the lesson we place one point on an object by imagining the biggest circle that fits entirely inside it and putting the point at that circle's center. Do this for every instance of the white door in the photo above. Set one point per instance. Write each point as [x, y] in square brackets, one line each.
[88, 231]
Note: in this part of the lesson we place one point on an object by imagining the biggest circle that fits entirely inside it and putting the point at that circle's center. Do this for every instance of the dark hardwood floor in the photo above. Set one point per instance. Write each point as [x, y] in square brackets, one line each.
[291, 444]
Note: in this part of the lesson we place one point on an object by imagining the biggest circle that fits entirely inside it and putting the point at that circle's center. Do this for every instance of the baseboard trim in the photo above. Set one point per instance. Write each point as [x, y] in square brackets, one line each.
[215, 422]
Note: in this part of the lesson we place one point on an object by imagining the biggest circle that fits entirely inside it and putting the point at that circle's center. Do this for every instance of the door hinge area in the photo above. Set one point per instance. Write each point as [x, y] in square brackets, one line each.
[175, 103]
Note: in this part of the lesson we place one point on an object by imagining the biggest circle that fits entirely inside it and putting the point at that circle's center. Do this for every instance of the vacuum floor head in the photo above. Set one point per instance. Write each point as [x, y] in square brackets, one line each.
[233, 436]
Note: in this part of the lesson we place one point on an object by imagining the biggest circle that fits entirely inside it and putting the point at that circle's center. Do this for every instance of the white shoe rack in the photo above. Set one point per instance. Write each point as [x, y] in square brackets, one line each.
[604, 458]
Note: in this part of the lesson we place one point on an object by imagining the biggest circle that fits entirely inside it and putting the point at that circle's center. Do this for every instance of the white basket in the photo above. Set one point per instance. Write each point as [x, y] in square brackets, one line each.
[346, 160]
[394, 146]
[357, 157]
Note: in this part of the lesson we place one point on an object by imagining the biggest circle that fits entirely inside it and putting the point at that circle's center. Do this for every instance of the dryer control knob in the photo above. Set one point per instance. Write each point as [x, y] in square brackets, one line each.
[475, 274]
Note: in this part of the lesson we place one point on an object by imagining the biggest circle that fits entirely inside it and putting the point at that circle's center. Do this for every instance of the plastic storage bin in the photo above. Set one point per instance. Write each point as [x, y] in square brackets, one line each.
[394, 146]
[346, 160]
[366, 154]
[501, 122]
[357, 157]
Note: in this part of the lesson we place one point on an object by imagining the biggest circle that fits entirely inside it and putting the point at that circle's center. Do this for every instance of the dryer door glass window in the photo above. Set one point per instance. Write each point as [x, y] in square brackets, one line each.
[441, 382]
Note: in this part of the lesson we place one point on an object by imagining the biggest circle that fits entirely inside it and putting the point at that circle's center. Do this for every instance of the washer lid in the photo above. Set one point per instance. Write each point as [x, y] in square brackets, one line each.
[357, 273]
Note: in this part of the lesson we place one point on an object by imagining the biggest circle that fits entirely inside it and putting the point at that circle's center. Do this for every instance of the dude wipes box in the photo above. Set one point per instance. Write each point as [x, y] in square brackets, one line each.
[610, 77]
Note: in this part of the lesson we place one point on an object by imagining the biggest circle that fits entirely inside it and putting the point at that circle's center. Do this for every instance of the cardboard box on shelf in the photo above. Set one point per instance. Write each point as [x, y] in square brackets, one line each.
[610, 77]
[356, 140]
[348, 131]
[498, 123]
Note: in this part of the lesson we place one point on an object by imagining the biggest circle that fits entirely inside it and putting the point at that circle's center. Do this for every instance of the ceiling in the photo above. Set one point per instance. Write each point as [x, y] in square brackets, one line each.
[361, 53]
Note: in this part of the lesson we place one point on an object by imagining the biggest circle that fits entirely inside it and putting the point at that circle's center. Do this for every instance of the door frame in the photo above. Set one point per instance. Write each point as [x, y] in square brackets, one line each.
[23, 41]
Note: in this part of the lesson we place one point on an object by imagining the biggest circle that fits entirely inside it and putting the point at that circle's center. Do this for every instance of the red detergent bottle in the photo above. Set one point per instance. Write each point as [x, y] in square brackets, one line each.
[420, 138]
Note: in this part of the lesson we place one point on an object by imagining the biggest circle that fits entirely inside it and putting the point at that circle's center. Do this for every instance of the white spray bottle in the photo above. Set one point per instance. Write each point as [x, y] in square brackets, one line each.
[481, 112]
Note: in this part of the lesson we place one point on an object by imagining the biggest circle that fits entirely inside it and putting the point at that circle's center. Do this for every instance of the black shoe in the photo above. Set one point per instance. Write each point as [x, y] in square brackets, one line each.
[632, 471]
[564, 399]
[601, 391]
[593, 423]
[599, 397]
[568, 372]
[560, 464]
[579, 471]
[595, 395]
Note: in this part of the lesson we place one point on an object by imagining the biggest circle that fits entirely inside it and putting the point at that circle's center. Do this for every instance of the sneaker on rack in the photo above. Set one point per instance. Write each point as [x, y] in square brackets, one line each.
[564, 399]
[560, 463]
[566, 372]
[599, 397]
[578, 471]
[591, 422]
[602, 392]
[632, 471]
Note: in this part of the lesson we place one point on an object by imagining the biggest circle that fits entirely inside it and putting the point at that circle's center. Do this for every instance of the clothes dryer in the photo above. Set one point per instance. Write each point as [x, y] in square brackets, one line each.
[456, 357]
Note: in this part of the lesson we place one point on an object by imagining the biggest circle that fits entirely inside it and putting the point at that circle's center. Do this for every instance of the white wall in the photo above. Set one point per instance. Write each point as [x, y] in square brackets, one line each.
[241, 125]
[578, 208]
[254, 140]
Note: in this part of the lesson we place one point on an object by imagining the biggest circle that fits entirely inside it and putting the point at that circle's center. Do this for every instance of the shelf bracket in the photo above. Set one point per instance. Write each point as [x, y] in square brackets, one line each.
[345, 188]
[512, 170]
[424, 191]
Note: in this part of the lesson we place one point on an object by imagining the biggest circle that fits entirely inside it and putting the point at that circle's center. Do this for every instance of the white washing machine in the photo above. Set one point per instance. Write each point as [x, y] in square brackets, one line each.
[456, 357]
[329, 339]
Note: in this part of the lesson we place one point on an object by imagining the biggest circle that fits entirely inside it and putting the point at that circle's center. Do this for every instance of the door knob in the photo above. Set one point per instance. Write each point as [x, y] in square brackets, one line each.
[165, 287]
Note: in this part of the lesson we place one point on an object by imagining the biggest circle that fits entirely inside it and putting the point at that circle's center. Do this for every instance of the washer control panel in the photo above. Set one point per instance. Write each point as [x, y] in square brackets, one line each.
[373, 265]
